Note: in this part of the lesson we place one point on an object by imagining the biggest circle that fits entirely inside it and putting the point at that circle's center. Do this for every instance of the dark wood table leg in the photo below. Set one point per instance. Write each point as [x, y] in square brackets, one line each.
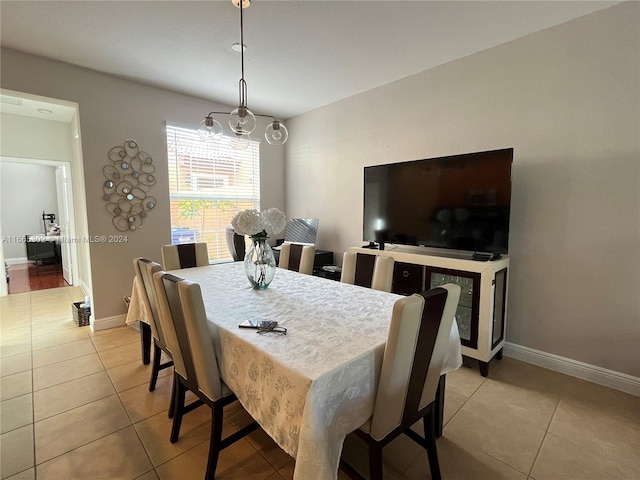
[499, 354]
[439, 406]
[145, 342]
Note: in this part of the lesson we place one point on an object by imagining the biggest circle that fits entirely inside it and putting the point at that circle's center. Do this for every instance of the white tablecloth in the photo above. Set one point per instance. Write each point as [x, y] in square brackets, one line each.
[138, 310]
[312, 387]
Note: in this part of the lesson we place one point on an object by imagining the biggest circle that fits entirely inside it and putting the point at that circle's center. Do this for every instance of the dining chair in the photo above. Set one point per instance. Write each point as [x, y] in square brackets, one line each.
[371, 271]
[413, 357]
[185, 255]
[144, 269]
[235, 243]
[196, 367]
[297, 257]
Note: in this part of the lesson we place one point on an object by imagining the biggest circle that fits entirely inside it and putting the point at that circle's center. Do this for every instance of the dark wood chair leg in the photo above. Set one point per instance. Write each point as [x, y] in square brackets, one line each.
[430, 443]
[438, 405]
[375, 461]
[180, 392]
[172, 402]
[155, 367]
[215, 443]
[145, 342]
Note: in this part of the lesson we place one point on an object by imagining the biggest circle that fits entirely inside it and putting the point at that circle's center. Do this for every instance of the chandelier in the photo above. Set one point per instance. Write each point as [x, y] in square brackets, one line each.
[241, 120]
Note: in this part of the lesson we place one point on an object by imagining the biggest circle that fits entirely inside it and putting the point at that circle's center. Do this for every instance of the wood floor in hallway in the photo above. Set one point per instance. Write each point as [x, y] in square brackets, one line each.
[26, 277]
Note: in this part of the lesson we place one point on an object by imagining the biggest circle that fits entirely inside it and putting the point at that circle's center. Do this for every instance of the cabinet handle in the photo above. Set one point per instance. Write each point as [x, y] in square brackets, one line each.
[405, 274]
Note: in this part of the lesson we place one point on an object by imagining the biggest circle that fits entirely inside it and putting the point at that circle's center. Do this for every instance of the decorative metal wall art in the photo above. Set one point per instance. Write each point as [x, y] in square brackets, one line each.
[129, 179]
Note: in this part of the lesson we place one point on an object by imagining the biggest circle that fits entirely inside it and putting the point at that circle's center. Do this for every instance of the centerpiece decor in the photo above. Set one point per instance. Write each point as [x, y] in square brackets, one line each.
[259, 262]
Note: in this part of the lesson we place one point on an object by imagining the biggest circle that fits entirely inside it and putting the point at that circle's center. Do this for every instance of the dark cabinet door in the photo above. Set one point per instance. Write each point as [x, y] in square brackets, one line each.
[408, 278]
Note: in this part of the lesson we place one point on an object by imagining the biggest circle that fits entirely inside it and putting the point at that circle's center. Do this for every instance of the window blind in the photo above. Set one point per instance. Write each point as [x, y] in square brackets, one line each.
[208, 184]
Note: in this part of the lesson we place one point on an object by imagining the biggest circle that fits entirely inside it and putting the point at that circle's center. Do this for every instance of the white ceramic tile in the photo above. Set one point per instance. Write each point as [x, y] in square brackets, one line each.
[16, 451]
[511, 441]
[15, 385]
[133, 374]
[114, 337]
[66, 431]
[59, 353]
[119, 455]
[75, 393]
[66, 370]
[16, 412]
[564, 459]
[15, 364]
[140, 403]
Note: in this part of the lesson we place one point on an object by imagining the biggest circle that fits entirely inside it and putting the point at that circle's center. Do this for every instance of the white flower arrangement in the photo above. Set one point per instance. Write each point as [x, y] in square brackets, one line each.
[255, 223]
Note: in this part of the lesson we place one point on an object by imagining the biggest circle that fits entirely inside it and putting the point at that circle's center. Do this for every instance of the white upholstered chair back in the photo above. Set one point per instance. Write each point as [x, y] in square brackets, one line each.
[374, 271]
[235, 244]
[297, 257]
[148, 299]
[185, 255]
[383, 274]
[413, 357]
[166, 315]
[203, 354]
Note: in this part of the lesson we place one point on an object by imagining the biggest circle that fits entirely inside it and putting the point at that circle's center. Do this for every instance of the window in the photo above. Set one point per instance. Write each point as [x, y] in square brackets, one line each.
[208, 184]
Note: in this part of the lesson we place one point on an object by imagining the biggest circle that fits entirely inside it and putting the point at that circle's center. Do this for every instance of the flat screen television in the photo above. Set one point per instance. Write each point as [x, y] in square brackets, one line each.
[459, 202]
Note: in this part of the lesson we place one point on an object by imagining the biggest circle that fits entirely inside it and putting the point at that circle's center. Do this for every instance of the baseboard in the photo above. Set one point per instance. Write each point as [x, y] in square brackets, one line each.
[17, 261]
[108, 322]
[85, 288]
[601, 376]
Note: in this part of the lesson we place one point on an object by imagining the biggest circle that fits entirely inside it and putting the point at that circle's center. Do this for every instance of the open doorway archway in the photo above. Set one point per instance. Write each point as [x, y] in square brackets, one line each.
[45, 131]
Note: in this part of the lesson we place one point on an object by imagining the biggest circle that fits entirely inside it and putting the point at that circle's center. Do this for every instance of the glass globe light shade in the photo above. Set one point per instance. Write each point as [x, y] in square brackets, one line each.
[209, 129]
[240, 141]
[241, 120]
[276, 133]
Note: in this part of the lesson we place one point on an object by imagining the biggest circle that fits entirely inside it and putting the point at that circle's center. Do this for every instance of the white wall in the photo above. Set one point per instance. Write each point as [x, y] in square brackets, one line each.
[112, 110]
[567, 99]
[34, 138]
[20, 208]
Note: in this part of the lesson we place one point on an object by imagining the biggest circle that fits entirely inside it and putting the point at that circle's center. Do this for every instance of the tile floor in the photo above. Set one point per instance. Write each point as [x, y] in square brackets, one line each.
[75, 405]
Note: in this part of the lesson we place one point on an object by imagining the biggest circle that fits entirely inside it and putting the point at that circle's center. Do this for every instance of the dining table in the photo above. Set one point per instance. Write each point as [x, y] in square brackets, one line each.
[315, 384]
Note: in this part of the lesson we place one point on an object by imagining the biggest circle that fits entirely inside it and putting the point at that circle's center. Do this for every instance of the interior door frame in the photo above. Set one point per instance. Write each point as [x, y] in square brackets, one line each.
[65, 218]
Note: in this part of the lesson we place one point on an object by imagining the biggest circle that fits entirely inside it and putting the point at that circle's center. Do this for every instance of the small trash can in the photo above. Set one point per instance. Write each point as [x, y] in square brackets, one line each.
[81, 314]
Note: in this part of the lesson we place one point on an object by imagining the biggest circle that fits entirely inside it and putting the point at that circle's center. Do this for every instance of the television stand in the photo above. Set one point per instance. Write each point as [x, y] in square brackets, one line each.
[481, 315]
[321, 258]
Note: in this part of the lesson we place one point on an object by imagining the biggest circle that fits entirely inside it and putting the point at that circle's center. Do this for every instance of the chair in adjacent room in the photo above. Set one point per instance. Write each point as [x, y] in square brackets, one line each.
[196, 366]
[297, 257]
[411, 366]
[235, 243]
[185, 255]
[371, 271]
[144, 270]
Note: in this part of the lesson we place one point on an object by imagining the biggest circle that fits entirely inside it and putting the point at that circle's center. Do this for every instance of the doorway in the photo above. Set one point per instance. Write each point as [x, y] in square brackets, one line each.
[37, 212]
[52, 127]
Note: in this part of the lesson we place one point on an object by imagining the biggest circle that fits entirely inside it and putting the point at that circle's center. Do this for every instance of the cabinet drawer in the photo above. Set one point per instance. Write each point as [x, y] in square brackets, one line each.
[408, 278]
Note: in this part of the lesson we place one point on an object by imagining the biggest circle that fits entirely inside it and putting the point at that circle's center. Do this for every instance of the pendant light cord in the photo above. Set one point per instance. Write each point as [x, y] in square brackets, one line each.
[242, 87]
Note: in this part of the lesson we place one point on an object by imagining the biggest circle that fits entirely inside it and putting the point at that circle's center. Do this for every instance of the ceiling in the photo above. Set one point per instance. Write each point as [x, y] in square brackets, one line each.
[300, 55]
